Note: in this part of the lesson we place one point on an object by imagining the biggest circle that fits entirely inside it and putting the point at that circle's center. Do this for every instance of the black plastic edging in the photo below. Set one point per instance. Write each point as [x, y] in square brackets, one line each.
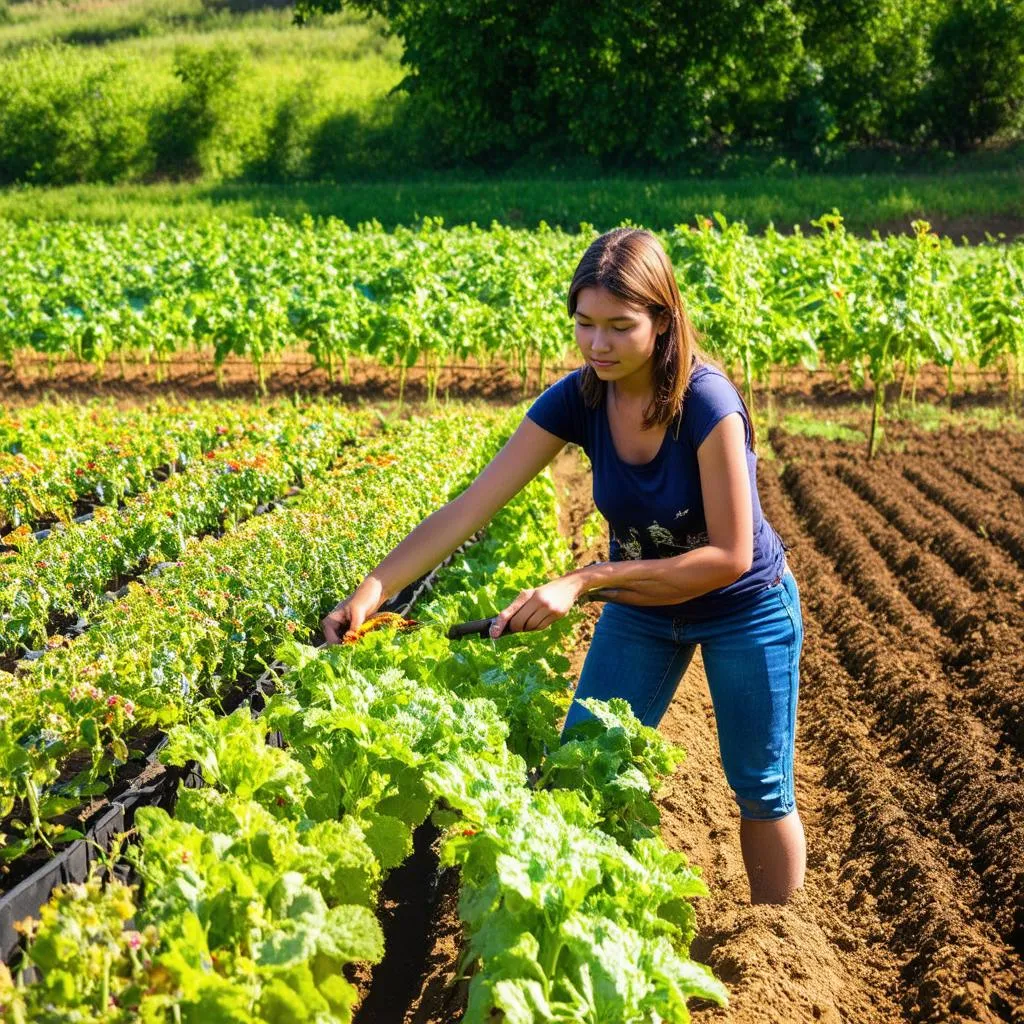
[74, 862]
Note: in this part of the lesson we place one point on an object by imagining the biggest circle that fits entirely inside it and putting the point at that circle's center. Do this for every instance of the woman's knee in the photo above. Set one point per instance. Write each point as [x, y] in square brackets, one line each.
[767, 801]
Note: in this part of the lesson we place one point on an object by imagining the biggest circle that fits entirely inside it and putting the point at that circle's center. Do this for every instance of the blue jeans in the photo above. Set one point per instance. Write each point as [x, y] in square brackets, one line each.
[752, 662]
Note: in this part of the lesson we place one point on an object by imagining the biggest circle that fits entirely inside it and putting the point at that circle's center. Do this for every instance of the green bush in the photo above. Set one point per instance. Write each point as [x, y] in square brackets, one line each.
[977, 87]
[206, 126]
[663, 83]
[286, 144]
[68, 116]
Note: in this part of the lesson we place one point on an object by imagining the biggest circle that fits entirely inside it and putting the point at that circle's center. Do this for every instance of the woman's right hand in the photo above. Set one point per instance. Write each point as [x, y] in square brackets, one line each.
[350, 614]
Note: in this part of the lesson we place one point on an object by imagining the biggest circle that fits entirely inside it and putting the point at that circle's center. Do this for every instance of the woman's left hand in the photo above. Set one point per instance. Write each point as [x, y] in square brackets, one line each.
[538, 607]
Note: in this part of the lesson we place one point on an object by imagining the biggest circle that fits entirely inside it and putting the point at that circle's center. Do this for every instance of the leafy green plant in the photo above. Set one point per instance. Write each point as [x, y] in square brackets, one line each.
[214, 618]
[258, 890]
[616, 763]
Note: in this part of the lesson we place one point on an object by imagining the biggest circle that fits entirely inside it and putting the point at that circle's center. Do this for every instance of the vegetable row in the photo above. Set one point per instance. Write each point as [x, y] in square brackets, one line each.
[44, 583]
[59, 457]
[261, 888]
[214, 617]
[256, 289]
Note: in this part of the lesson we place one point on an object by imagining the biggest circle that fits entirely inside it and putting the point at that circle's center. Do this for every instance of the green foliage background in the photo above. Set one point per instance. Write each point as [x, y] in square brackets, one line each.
[656, 81]
[234, 90]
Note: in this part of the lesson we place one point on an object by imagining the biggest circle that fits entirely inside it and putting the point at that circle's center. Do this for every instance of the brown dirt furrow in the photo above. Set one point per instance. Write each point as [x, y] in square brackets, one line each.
[1010, 470]
[966, 612]
[994, 468]
[963, 439]
[951, 755]
[982, 566]
[978, 511]
[794, 447]
[955, 967]
[929, 581]
[440, 998]
[979, 640]
[996, 485]
[986, 652]
[839, 528]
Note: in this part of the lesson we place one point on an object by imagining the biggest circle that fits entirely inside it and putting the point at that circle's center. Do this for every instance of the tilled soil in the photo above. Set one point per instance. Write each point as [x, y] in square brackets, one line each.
[192, 375]
[909, 749]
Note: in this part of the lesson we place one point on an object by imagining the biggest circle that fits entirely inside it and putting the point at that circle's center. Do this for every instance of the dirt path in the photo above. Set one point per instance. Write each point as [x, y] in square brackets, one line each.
[191, 375]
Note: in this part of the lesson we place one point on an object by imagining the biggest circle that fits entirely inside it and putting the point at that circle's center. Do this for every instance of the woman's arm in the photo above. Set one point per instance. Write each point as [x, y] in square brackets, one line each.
[728, 512]
[522, 457]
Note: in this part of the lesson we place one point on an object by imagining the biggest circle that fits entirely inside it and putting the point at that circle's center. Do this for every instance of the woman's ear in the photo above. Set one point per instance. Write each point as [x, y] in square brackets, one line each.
[664, 321]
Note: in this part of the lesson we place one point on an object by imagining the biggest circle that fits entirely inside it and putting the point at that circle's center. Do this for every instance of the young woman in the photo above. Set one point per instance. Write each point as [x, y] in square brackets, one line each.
[692, 560]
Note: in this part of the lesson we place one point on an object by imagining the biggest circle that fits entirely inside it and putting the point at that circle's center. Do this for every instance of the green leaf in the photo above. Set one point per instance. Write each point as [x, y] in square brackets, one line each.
[352, 933]
[390, 839]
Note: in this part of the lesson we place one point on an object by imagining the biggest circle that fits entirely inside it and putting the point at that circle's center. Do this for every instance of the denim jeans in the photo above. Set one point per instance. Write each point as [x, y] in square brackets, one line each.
[752, 662]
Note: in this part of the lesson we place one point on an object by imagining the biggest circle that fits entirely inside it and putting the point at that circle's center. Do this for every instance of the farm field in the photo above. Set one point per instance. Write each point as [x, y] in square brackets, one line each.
[280, 278]
[911, 569]
[263, 884]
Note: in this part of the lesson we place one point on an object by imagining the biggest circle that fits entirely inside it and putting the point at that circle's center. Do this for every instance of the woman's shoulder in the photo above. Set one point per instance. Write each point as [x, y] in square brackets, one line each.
[708, 387]
[710, 395]
[560, 408]
[707, 378]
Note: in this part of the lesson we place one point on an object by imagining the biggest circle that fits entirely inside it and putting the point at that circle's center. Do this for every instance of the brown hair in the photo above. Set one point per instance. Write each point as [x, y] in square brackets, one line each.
[632, 265]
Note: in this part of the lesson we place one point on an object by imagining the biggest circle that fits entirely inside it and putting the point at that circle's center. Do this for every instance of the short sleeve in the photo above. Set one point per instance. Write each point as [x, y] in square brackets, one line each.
[709, 399]
[559, 409]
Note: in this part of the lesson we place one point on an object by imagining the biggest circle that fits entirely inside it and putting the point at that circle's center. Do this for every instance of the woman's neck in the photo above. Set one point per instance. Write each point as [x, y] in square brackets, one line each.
[638, 387]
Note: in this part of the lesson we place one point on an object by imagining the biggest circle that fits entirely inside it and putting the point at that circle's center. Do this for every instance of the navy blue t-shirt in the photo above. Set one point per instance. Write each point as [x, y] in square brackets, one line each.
[656, 510]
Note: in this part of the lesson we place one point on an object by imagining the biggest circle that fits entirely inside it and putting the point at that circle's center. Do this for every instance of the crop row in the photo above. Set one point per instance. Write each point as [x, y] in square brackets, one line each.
[256, 289]
[59, 579]
[215, 617]
[262, 886]
[57, 457]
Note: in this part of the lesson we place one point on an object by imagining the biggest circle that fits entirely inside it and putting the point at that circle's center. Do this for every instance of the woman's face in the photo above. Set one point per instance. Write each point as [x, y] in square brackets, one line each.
[616, 339]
